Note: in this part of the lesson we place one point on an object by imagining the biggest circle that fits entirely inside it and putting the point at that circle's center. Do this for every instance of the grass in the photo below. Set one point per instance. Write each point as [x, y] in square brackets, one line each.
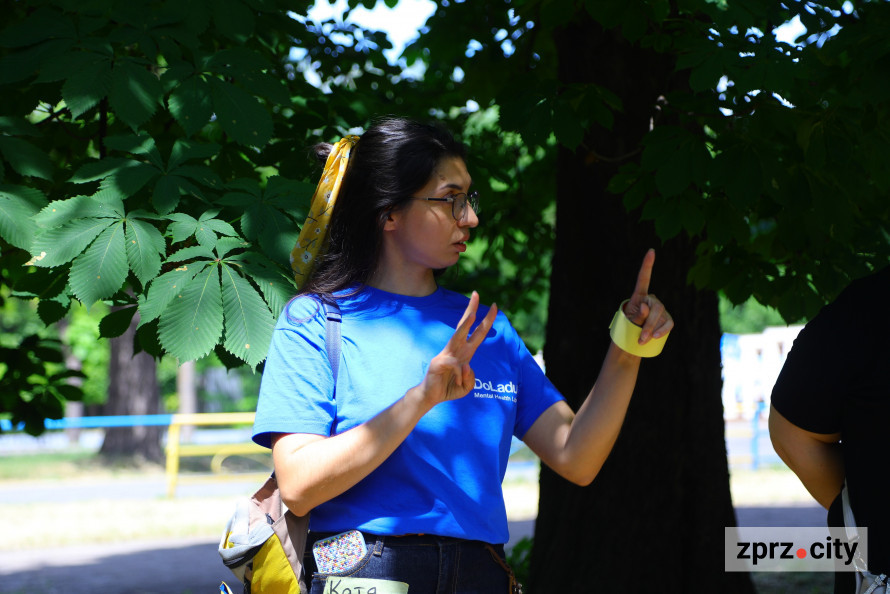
[106, 519]
[69, 465]
[87, 465]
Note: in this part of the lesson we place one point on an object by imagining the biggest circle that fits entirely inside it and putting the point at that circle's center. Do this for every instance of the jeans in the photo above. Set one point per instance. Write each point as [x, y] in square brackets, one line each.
[429, 564]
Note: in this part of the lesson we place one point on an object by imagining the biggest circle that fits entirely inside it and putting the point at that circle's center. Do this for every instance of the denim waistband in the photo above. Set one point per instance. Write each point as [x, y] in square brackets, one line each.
[405, 539]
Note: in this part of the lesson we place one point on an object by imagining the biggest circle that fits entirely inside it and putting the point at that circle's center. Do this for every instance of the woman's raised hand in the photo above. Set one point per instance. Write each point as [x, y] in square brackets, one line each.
[450, 376]
[644, 309]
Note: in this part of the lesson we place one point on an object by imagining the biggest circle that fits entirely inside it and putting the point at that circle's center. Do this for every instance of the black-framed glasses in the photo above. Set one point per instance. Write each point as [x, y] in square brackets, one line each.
[458, 203]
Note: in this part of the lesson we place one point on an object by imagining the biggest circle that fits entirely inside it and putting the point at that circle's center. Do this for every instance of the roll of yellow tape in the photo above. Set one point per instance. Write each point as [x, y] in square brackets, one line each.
[626, 335]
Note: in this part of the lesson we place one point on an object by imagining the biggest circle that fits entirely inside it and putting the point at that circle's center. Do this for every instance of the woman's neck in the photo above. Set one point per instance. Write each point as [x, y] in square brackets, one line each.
[404, 282]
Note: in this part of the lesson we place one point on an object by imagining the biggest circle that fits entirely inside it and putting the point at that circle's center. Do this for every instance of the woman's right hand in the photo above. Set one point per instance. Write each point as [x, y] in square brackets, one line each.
[450, 376]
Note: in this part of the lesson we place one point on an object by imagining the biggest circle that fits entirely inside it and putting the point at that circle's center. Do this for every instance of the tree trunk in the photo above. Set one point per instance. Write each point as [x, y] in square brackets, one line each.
[132, 390]
[187, 390]
[72, 409]
[654, 517]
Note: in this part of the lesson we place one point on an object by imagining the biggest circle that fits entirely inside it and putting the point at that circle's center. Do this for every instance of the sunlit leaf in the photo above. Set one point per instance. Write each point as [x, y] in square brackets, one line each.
[63, 244]
[145, 244]
[163, 289]
[226, 244]
[248, 321]
[221, 227]
[101, 270]
[59, 212]
[205, 235]
[189, 253]
[192, 325]
[183, 226]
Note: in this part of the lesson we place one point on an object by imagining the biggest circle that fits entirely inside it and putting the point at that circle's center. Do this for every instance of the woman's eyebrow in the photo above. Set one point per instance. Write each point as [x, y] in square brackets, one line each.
[455, 186]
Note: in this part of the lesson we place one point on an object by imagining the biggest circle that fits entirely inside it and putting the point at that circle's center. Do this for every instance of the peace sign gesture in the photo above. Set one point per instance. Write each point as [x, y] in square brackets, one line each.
[449, 375]
[644, 309]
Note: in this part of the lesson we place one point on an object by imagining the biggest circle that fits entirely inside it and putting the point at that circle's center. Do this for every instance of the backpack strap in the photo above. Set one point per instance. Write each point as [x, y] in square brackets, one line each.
[332, 335]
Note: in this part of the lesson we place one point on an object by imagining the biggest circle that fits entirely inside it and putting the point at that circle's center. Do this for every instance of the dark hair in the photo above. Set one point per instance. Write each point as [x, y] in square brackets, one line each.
[393, 159]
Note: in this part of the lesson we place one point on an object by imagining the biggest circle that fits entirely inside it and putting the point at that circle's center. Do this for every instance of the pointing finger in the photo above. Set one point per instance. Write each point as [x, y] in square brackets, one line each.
[645, 275]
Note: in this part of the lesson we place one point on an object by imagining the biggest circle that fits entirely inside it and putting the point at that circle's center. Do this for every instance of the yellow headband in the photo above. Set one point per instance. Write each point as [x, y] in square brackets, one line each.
[314, 234]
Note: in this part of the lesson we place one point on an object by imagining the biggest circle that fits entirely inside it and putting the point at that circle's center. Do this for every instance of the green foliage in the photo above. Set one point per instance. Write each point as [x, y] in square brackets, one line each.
[34, 383]
[136, 159]
[749, 317]
[774, 174]
[82, 335]
[508, 260]
[153, 155]
[519, 559]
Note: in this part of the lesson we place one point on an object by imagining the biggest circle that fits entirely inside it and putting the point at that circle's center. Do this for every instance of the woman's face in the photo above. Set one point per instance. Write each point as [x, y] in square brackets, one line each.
[424, 233]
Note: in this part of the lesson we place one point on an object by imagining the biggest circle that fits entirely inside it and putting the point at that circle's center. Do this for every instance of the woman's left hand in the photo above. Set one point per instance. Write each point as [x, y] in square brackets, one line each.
[644, 309]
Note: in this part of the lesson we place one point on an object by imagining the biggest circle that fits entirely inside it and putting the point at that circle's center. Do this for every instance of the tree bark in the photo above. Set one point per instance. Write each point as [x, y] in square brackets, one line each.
[187, 390]
[132, 390]
[654, 517]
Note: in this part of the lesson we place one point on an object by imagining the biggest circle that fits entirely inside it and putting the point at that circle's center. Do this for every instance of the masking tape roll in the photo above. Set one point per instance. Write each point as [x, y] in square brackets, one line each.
[626, 335]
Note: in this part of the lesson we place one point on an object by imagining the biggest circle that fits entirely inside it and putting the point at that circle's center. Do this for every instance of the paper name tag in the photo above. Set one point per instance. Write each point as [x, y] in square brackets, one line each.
[346, 585]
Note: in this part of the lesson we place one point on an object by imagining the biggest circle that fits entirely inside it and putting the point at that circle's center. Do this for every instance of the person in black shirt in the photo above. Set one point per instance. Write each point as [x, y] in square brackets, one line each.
[830, 413]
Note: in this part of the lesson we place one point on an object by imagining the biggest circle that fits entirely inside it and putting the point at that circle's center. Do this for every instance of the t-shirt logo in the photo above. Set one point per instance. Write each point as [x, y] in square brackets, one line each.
[497, 391]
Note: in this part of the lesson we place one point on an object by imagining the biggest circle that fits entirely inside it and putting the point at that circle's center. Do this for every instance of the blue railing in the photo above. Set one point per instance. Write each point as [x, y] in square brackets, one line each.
[98, 422]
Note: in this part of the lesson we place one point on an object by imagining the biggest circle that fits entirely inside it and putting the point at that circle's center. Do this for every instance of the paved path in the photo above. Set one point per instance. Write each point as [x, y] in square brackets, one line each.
[194, 567]
[149, 567]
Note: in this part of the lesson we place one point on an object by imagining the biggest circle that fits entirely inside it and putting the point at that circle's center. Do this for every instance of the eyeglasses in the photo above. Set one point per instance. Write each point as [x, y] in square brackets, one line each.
[459, 203]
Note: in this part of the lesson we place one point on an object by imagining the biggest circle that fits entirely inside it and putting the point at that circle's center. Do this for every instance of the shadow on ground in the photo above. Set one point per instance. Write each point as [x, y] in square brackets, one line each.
[155, 567]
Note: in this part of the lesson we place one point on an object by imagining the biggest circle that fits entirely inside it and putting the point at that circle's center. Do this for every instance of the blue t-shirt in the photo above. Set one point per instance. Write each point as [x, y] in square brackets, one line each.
[445, 478]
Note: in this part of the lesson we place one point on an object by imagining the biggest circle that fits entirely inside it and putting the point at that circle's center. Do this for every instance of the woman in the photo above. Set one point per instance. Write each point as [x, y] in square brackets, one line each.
[410, 446]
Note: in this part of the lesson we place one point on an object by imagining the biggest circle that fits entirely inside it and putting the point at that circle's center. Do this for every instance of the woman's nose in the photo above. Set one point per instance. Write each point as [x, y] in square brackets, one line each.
[470, 219]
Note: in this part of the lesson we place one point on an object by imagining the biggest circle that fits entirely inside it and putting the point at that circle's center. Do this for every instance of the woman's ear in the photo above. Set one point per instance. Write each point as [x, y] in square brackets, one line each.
[391, 220]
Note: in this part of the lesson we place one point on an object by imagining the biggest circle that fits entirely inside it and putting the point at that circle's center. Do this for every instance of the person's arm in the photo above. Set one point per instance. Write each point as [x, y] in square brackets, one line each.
[312, 469]
[576, 445]
[814, 457]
